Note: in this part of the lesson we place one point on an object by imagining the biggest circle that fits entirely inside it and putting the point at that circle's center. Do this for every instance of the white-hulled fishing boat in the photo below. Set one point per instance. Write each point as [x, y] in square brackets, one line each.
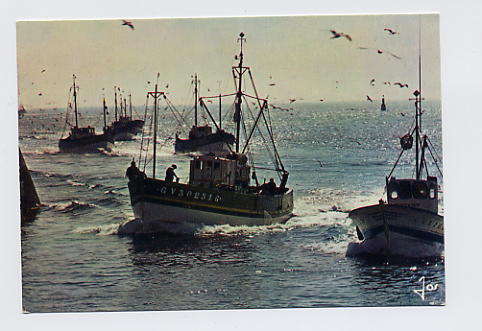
[408, 222]
[219, 190]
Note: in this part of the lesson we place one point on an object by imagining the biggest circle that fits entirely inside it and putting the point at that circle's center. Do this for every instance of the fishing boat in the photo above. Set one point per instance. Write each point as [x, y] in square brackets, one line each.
[408, 223]
[201, 137]
[124, 127]
[383, 107]
[83, 139]
[219, 190]
[21, 111]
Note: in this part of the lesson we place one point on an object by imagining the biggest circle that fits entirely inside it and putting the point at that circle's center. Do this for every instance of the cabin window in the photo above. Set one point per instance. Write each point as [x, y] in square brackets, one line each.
[209, 164]
[216, 165]
[198, 164]
[405, 190]
[394, 194]
[432, 193]
[420, 190]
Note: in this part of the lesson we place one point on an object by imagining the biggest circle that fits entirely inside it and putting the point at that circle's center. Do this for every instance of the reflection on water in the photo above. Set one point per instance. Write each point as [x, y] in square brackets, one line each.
[73, 259]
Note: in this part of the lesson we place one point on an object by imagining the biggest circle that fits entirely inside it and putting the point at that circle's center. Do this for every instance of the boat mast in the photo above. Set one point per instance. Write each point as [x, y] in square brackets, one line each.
[75, 104]
[115, 102]
[105, 118]
[155, 134]
[418, 108]
[156, 94]
[130, 105]
[237, 114]
[195, 99]
[125, 107]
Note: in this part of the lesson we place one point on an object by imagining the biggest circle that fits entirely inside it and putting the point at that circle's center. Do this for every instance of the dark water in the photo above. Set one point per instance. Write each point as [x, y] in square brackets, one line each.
[73, 260]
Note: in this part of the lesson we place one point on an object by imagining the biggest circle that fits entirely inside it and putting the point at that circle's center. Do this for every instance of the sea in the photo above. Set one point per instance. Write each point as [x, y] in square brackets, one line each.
[337, 155]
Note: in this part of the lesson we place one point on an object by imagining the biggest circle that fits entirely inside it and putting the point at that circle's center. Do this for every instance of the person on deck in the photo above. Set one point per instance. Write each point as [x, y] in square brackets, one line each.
[271, 186]
[132, 172]
[170, 174]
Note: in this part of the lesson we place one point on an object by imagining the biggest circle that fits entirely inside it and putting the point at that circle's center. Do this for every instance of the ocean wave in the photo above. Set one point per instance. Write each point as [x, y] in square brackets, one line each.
[46, 151]
[100, 230]
[73, 205]
[74, 183]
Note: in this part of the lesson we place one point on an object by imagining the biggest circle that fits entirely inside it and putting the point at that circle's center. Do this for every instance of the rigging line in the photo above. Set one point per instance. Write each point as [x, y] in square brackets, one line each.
[143, 129]
[436, 163]
[69, 106]
[148, 143]
[396, 163]
[222, 96]
[273, 158]
[434, 150]
[273, 143]
[174, 111]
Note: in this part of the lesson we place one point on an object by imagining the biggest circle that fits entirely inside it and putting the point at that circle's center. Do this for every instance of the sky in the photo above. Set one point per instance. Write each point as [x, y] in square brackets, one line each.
[297, 52]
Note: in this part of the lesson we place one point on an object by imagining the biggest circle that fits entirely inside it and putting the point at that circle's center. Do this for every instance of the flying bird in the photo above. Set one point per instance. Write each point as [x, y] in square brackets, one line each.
[167, 85]
[322, 100]
[401, 85]
[272, 84]
[40, 94]
[129, 24]
[372, 82]
[381, 51]
[321, 165]
[402, 114]
[369, 99]
[292, 100]
[340, 34]
[43, 70]
[392, 32]
[387, 83]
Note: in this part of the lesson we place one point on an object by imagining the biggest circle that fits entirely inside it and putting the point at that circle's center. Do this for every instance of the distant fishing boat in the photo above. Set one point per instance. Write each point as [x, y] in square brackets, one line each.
[124, 126]
[383, 107]
[201, 138]
[218, 191]
[21, 111]
[83, 139]
[408, 223]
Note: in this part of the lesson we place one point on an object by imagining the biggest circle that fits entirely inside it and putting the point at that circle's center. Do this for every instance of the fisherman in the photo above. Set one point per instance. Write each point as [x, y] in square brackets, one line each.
[271, 186]
[132, 172]
[170, 174]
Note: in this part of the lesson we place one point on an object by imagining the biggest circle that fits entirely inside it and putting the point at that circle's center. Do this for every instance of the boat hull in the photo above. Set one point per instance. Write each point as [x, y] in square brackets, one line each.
[180, 208]
[397, 230]
[125, 130]
[217, 142]
[87, 144]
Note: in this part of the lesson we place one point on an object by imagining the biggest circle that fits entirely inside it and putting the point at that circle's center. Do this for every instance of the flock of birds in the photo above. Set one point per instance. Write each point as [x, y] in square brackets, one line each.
[334, 35]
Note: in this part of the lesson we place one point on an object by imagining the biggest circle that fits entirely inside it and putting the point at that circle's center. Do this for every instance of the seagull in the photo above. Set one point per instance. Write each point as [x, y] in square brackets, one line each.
[387, 83]
[167, 85]
[321, 165]
[129, 24]
[401, 84]
[322, 100]
[272, 84]
[369, 99]
[43, 70]
[340, 34]
[372, 82]
[292, 100]
[402, 114]
[381, 51]
[392, 32]
[40, 94]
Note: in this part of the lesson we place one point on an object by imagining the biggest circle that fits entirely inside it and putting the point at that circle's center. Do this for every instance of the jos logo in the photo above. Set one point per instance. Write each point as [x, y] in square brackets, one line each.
[425, 288]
